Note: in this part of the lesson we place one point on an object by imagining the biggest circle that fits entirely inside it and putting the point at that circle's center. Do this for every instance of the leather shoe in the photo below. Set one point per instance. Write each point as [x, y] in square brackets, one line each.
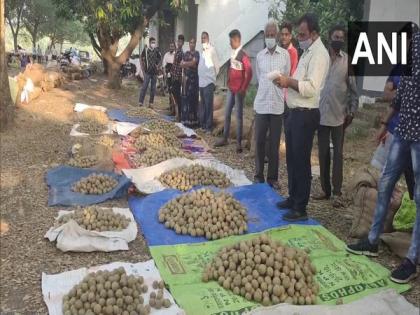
[294, 215]
[320, 196]
[285, 204]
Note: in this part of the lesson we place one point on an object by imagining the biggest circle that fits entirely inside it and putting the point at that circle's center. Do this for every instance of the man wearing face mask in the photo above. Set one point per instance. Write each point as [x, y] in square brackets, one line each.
[269, 104]
[339, 102]
[150, 61]
[304, 89]
[208, 68]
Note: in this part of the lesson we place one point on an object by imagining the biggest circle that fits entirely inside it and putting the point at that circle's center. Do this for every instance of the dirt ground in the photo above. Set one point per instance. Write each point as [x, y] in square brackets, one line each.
[39, 140]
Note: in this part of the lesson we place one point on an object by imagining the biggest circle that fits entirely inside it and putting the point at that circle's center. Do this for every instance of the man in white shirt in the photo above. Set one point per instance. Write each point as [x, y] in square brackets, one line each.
[208, 68]
[269, 104]
[303, 118]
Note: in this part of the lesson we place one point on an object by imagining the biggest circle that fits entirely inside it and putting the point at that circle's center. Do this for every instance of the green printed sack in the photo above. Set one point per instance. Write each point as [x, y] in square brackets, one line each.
[406, 215]
[341, 276]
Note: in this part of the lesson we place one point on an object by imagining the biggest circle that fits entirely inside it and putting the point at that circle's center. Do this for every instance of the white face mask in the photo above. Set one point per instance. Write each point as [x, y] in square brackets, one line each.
[205, 45]
[270, 42]
[153, 46]
[304, 44]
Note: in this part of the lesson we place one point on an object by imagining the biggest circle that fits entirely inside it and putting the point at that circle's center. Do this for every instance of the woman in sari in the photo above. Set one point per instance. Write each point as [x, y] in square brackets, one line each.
[190, 85]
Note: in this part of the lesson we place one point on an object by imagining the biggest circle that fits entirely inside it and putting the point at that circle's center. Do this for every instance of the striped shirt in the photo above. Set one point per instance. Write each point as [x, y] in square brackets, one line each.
[270, 98]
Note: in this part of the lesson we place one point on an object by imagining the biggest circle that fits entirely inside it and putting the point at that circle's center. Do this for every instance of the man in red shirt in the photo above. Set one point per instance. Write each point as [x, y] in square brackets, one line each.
[239, 77]
[286, 43]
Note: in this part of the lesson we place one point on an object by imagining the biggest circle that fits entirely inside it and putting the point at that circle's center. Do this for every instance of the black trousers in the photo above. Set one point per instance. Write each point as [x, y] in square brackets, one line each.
[300, 127]
[325, 133]
[176, 92]
[271, 124]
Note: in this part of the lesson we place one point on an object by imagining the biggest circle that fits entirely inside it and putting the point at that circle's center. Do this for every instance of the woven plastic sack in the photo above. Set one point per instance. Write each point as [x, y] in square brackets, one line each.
[406, 215]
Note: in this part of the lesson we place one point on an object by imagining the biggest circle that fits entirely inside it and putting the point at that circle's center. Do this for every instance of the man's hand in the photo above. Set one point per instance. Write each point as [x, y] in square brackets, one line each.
[282, 81]
[348, 120]
[382, 135]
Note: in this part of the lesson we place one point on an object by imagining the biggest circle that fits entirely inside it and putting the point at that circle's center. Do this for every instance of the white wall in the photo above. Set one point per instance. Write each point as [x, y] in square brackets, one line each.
[219, 17]
[390, 10]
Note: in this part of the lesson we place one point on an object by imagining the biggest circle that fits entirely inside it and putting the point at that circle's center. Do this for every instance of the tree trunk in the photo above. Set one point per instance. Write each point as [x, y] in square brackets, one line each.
[6, 105]
[112, 68]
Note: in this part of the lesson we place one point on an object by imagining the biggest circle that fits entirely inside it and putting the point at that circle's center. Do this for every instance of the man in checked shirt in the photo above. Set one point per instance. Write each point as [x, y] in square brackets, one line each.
[269, 105]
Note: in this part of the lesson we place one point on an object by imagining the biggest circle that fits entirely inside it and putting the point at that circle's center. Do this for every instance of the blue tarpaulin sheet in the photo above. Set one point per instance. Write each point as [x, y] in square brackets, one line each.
[259, 199]
[119, 115]
[60, 180]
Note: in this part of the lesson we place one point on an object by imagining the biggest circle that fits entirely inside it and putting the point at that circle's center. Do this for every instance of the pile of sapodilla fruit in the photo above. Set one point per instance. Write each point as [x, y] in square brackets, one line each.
[155, 155]
[95, 184]
[96, 219]
[156, 140]
[265, 271]
[113, 292]
[205, 213]
[186, 177]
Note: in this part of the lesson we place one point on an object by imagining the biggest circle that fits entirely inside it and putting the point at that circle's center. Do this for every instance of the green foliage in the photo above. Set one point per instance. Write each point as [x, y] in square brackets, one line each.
[250, 95]
[329, 12]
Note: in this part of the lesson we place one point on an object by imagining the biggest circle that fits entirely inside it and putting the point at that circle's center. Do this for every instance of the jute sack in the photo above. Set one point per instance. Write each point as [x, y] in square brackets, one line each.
[365, 202]
[35, 93]
[217, 103]
[398, 242]
[35, 73]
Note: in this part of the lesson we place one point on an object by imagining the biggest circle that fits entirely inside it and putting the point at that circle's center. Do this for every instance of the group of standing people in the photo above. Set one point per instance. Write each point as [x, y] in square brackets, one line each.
[313, 93]
[189, 75]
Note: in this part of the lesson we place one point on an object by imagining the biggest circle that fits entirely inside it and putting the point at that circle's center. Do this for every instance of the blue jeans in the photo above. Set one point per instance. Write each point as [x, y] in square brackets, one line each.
[147, 79]
[205, 113]
[396, 163]
[232, 100]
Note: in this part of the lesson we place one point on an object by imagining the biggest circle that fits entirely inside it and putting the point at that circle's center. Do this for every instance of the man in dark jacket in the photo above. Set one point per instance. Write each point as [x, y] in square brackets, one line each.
[150, 61]
[239, 77]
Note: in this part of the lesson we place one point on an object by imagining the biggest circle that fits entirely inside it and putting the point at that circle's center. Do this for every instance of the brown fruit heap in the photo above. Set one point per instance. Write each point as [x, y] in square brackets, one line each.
[93, 114]
[153, 139]
[91, 126]
[106, 141]
[109, 292]
[206, 213]
[83, 161]
[156, 299]
[139, 111]
[163, 126]
[96, 219]
[154, 155]
[186, 177]
[265, 271]
[95, 184]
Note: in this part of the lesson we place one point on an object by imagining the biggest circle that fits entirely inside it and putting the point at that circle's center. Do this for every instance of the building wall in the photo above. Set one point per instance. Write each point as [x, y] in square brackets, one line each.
[388, 10]
[219, 17]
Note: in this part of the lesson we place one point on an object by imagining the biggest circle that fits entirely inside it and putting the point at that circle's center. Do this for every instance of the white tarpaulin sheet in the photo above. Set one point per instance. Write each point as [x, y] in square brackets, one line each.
[72, 237]
[124, 128]
[146, 181]
[187, 131]
[80, 107]
[75, 133]
[387, 302]
[54, 287]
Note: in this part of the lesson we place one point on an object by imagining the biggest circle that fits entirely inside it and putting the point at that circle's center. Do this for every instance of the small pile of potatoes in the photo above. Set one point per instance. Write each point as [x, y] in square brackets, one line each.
[91, 126]
[140, 111]
[156, 299]
[186, 177]
[110, 292]
[96, 219]
[95, 184]
[96, 115]
[265, 271]
[155, 155]
[83, 161]
[158, 140]
[163, 126]
[106, 141]
[205, 213]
